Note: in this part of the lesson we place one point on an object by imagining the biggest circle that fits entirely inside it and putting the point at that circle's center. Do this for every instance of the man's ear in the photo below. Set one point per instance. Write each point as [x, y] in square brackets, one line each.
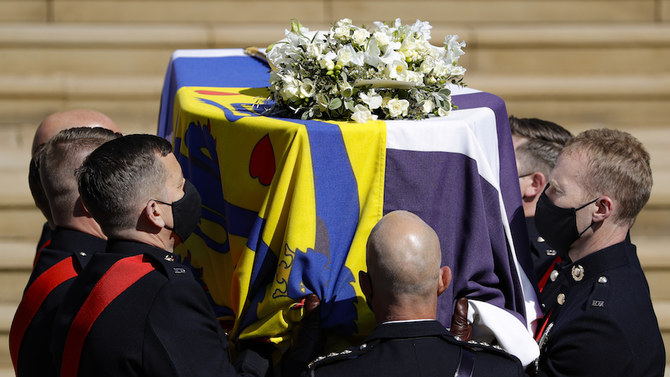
[80, 209]
[366, 287]
[444, 280]
[605, 206]
[153, 215]
[537, 183]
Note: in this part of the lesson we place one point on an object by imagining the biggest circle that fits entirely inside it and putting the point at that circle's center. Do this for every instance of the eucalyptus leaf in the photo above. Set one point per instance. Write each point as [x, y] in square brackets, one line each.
[335, 104]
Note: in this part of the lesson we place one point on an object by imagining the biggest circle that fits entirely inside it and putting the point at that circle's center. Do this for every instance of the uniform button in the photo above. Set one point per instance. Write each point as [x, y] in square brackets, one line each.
[554, 275]
[83, 254]
[560, 298]
[179, 270]
[577, 272]
[540, 239]
[169, 258]
[602, 279]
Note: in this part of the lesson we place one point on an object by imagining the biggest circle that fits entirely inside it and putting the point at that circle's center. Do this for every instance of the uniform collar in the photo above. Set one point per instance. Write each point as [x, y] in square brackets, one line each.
[130, 248]
[407, 329]
[595, 264]
[74, 241]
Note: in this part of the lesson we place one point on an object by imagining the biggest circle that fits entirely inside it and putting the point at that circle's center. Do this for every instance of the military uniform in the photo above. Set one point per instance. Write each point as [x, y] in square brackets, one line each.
[541, 253]
[134, 311]
[600, 318]
[417, 348]
[55, 268]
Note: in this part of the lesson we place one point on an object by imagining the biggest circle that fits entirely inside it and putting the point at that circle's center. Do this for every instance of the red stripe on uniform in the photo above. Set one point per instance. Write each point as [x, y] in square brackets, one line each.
[39, 250]
[115, 281]
[546, 275]
[32, 301]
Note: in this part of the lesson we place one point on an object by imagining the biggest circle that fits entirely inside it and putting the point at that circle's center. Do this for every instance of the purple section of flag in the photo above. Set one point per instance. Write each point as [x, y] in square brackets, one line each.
[509, 183]
[446, 191]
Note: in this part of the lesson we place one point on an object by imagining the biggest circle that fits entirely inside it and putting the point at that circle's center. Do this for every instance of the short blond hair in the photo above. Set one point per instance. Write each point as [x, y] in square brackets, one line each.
[618, 166]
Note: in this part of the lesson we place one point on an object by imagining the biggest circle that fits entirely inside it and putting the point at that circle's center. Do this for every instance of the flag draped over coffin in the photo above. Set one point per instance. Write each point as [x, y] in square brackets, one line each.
[288, 204]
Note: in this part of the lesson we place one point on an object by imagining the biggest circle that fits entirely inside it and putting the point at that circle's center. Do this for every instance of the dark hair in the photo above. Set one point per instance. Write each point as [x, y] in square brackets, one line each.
[544, 143]
[119, 177]
[61, 156]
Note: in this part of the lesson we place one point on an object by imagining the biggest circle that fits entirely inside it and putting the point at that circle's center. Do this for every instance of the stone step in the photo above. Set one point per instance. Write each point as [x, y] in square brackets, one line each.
[533, 49]
[239, 11]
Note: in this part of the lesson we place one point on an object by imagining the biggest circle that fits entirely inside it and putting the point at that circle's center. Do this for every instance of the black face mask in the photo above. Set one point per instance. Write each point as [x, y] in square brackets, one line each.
[558, 226]
[185, 212]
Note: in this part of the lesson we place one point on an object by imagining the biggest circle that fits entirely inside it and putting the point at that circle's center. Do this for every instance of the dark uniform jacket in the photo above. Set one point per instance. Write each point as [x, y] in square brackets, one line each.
[56, 266]
[135, 312]
[541, 253]
[601, 319]
[418, 348]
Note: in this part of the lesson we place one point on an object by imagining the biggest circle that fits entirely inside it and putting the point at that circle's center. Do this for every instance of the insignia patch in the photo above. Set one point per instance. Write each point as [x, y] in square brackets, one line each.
[598, 303]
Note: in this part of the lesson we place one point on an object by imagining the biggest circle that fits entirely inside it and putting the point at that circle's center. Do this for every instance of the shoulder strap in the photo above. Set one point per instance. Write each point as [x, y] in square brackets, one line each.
[120, 276]
[32, 300]
[466, 363]
[39, 250]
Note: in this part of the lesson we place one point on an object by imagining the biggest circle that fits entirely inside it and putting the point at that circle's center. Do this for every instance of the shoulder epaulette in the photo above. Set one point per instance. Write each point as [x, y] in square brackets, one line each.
[336, 356]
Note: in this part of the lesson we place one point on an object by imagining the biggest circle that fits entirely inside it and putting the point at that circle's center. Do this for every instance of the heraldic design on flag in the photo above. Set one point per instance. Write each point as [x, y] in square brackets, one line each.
[287, 208]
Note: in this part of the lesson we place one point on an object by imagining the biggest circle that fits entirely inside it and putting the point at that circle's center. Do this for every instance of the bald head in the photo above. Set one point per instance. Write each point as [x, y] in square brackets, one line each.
[54, 123]
[403, 256]
[50, 126]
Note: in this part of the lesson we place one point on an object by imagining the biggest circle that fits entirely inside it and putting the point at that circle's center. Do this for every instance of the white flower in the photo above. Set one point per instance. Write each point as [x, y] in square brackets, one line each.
[415, 77]
[442, 112]
[362, 114]
[307, 88]
[360, 36]
[347, 55]
[421, 28]
[372, 53]
[325, 67]
[344, 22]
[398, 69]
[326, 61]
[382, 38]
[289, 91]
[454, 48]
[346, 89]
[427, 106]
[372, 99]
[397, 107]
[341, 32]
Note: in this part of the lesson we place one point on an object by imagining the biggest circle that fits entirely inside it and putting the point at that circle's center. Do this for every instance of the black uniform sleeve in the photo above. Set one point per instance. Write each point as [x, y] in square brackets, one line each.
[183, 338]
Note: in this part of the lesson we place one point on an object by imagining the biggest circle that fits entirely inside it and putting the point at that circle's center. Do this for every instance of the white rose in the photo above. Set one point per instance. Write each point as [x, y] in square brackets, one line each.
[345, 55]
[362, 114]
[361, 36]
[289, 88]
[427, 107]
[372, 99]
[382, 38]
[341, 32]
[397, 107]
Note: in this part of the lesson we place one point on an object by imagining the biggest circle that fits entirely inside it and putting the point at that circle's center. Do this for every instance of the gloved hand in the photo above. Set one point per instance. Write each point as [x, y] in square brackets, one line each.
[460, 326]
[309, 340]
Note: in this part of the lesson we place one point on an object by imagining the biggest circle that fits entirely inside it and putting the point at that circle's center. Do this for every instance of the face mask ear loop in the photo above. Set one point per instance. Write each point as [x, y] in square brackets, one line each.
[590, 225]
[592, 201]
